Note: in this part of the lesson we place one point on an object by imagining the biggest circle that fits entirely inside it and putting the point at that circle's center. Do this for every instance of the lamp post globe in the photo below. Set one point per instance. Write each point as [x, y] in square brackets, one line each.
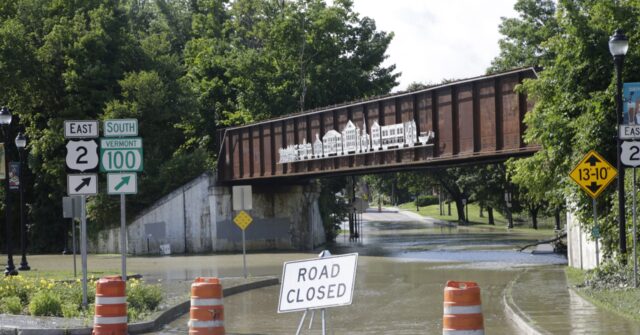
[21, 143]
[5, 123]
[5, 116]
[618, 46]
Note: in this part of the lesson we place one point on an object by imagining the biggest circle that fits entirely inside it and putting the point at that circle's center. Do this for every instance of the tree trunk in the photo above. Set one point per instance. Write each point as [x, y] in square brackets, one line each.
[393, 193]
[460, 210]
[534, 217]
[449, 208]
[481, 211]
[557, 218]
[490, 213]
[440, 204]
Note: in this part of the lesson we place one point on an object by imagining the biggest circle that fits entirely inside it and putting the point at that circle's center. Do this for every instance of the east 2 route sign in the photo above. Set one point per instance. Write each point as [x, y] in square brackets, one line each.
[318, 283]
[121, 154]
[593, 174]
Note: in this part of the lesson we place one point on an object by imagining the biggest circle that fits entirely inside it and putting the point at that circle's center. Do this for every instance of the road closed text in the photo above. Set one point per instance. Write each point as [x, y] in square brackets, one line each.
[319, 292]
[317, 283]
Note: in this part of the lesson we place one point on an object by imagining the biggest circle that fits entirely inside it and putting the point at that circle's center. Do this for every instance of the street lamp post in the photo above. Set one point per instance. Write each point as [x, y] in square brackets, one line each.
[21, 143]
[618, 45]
[5, 122]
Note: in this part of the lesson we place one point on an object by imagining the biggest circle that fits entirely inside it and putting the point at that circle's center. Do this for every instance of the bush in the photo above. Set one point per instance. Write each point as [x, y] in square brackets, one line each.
[45, 303]
[10, 305]
[70, 310]
[426, 200]
[610, 275]
[143, 297]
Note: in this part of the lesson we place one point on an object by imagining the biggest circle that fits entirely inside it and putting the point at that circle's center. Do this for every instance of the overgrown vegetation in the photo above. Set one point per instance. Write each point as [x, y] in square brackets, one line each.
[46, 297]
[333, 208]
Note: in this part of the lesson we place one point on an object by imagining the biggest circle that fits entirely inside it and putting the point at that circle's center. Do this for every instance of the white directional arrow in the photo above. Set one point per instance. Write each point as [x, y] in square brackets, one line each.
[82, 184]
[122, 183]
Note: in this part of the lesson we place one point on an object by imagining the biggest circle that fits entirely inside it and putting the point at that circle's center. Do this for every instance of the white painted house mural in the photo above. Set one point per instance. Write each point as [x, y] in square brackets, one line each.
[353, 141]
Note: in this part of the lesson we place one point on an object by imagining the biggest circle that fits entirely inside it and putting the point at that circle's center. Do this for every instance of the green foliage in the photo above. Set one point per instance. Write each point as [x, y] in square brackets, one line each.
[574, 98]
[607, 289]
[333, 209]
[426, 200]
[10, 305]
[184, 69]
[45, 303]
[143, 298]
[46, 297]
[609, 275]
[70, 310]
[524, 37]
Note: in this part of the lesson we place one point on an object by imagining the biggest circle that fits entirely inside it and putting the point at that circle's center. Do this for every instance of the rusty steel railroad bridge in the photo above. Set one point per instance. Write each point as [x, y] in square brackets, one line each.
[470, 121]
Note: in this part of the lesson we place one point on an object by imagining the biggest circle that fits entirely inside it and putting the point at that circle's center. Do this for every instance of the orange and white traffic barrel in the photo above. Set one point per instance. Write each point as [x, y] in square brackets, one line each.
[206, 316]
[111, 307]
[462, 309]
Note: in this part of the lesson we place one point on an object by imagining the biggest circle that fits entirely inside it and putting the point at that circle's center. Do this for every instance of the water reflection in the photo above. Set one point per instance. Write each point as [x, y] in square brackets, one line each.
[402, 270]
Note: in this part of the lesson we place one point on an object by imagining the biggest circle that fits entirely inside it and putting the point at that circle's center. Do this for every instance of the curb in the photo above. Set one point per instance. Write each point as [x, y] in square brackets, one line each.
[142, 327]
[520, 319]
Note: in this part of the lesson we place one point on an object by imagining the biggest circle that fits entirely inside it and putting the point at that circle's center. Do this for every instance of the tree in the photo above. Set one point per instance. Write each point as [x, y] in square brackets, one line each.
[184, 69]
[525, 37]
[574, 98]
[486, 185]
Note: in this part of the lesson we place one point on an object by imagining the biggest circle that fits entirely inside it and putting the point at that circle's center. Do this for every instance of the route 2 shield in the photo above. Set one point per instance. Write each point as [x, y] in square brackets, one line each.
[82, 155]
[630, 155]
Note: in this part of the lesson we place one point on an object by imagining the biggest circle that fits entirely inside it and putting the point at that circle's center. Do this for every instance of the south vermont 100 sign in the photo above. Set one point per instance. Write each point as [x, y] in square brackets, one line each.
[121, 154]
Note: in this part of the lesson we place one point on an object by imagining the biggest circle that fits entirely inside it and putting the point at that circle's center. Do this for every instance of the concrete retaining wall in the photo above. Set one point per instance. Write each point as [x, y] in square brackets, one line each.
[581, 247]
[198, 218]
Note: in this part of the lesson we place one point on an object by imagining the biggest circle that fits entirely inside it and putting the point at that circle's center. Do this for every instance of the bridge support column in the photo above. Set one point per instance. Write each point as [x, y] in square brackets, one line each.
[284, 217]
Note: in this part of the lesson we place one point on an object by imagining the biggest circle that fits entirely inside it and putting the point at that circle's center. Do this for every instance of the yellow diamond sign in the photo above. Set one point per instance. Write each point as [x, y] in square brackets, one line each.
[593, 174]
[243, 220]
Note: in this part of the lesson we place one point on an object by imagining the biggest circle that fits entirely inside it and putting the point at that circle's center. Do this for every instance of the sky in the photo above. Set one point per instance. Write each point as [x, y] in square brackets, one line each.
[439, 39]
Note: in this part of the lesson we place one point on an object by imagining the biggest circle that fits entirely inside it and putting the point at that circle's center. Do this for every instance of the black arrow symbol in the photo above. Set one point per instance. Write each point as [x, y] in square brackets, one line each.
[593, 160]
[594, 187]
[85, 182]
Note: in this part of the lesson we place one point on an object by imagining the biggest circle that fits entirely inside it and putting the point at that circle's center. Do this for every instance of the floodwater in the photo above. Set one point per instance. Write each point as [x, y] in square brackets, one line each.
[402, 270]
[403, 265]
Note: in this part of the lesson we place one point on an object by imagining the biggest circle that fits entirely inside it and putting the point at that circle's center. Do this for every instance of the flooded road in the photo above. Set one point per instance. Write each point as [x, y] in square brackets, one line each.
[402, 269]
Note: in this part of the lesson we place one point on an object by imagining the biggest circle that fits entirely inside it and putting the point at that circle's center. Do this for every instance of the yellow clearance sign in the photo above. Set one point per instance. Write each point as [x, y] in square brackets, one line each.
[593, 174]
[243, 220]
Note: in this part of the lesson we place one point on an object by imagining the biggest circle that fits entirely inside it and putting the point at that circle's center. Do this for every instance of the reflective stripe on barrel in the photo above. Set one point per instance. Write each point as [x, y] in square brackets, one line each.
[206, 315]
[111, 307]
[462, 309]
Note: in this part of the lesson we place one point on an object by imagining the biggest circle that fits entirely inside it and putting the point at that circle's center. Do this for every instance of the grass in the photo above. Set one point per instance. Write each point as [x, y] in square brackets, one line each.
[475, 221]
[62, 275]
[623, 301]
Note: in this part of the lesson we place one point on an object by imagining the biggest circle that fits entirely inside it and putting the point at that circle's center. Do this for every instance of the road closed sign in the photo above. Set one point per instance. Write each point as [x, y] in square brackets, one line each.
[317, 283]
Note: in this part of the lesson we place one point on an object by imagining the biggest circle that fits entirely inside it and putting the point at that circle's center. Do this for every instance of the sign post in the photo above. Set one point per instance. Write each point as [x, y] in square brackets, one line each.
[71, 210]
[82, 156]
[630, 156]
[83, 247]
[243, 220]
[593, 174]
[242, 200]
[121, 156]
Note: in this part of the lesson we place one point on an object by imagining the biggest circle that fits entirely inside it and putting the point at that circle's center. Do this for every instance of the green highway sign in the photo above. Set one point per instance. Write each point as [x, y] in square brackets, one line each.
[122, 183]
[121, 154]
